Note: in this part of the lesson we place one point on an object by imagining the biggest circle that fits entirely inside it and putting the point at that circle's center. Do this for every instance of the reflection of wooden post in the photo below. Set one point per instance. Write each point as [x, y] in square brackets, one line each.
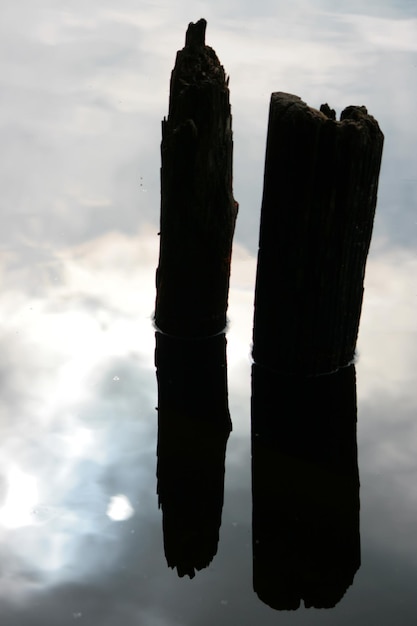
[305, 487]
[193, 428]
[320, 191]
[198, 211]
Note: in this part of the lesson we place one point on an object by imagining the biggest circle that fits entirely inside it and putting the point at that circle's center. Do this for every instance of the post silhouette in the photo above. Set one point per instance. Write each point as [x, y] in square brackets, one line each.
[193, 428]
[198, 211]
[318, 206]
[305, 488]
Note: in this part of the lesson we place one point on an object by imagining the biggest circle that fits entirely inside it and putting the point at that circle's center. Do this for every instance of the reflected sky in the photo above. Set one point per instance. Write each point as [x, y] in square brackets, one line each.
[84, 88]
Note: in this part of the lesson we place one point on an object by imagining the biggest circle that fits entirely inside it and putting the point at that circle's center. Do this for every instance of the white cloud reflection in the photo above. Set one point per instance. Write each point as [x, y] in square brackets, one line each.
[388, 332]
[21, 499]
[120, 509]
[70, 433]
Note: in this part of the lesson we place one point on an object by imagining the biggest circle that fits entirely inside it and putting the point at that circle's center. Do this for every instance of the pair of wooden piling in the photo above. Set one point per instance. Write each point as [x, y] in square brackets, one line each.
[318, 206]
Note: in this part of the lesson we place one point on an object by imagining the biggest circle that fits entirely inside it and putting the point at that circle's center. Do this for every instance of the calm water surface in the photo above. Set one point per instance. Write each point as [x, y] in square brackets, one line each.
[84, 88]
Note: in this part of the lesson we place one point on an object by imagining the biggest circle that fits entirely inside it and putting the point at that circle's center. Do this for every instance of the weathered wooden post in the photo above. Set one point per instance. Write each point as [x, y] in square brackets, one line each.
[319, 199]
[198, 212]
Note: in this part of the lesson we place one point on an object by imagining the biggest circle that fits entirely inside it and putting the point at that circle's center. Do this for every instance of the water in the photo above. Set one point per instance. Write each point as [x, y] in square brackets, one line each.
[85, 89]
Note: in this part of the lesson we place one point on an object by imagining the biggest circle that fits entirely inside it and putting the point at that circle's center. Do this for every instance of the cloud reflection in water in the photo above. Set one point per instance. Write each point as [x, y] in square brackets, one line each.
[84, 90]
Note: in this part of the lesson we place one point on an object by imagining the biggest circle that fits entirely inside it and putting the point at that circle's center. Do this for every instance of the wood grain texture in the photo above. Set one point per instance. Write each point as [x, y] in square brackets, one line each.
[318, 207]
[198, 211]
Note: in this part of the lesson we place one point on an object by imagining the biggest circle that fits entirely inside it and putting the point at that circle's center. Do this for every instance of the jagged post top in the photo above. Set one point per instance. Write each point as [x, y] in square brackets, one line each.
[198, 211]
[196, 34]
[284, 101]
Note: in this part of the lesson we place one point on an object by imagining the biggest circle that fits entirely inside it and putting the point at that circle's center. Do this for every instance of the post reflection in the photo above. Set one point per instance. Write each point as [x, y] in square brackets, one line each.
[193, 428]
[305, 487]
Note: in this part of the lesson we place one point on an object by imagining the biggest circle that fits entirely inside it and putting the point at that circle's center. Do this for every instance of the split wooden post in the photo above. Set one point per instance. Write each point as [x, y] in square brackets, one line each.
[319, 199]
[198, 212]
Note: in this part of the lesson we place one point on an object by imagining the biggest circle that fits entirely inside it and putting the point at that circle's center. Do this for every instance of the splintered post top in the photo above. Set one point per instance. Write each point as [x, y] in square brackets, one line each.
[196, 33]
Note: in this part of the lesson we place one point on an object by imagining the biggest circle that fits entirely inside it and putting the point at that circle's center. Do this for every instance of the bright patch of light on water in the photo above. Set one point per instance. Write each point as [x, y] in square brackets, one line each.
[120, 509]
[21, 499]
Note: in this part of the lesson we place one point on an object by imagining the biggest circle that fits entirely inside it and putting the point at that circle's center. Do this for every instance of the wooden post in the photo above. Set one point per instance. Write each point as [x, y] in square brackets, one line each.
[198, 212]
[319, 199]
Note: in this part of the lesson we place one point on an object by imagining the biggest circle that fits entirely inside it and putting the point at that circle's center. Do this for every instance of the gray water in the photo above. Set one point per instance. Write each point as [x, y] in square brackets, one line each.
[84, 88]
